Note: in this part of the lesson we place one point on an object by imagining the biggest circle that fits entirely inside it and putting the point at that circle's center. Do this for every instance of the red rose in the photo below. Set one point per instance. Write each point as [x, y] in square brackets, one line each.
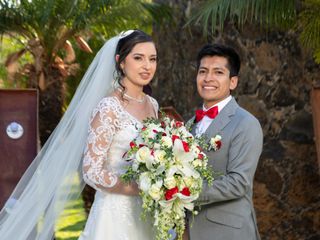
[185, 191]
[141, 145]
[179, 124]
[163, 125]
[132, 144]
[185, 146]
[200, 156]
[155, 131]
[164, 134]
[218, 144]
[174, 137]
[170, 192]
[144, 128]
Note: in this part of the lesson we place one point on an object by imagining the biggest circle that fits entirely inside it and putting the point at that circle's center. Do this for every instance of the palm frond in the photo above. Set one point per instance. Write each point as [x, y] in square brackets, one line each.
[12, 19]
[309, 21]
[268, 13]
[128, 14]
[317, 55]
[158, 12]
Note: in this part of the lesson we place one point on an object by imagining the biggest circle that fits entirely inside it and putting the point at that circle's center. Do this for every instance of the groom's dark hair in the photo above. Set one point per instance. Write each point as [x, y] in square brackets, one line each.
[222, 51]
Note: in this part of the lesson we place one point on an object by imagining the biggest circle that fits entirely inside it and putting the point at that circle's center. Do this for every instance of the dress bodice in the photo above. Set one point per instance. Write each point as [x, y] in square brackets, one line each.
[111, 130]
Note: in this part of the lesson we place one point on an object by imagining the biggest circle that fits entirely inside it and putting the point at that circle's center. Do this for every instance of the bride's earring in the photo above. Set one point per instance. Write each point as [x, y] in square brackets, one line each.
[122, 69]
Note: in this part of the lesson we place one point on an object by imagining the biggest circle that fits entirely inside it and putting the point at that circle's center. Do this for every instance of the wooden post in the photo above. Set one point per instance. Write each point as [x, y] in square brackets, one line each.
[18, 136]
[315, 104]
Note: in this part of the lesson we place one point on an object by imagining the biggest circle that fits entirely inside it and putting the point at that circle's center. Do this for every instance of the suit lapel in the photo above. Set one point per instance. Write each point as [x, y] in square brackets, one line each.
[222, 120]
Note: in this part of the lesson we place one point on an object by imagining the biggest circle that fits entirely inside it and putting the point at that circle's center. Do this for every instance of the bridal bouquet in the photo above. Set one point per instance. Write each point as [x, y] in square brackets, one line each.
[169, 167]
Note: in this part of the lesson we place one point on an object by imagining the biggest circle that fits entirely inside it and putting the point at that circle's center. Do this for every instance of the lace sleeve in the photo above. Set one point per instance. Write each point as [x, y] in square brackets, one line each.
[96, 171]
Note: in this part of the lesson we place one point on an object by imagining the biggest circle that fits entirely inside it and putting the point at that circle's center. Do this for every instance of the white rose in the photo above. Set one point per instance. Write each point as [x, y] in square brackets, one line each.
[167, 141]
[155, 192]
[159, 156]
[170, 182]
[190, 182]
[197, 163]
[143, 154]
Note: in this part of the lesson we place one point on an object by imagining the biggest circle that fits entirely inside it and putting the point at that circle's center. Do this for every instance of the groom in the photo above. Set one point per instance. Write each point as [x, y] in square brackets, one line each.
[226, 211]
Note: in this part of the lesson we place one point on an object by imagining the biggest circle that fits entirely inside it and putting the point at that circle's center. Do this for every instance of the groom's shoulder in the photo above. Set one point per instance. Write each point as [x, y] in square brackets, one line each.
[247, 118]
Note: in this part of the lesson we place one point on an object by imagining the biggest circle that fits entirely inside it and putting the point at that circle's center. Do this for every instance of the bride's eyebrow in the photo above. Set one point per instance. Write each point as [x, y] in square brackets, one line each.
[141, 54]
[138, 54]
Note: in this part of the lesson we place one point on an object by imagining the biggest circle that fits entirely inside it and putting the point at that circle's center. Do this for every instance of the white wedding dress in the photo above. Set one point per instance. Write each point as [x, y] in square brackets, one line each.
[112, 216]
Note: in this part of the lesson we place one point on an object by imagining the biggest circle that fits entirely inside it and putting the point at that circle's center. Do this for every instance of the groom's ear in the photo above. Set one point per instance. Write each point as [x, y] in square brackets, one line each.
[233, 82]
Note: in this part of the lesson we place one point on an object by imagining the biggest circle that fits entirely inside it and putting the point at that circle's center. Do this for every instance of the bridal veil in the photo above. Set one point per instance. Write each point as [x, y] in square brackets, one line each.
[48, 184]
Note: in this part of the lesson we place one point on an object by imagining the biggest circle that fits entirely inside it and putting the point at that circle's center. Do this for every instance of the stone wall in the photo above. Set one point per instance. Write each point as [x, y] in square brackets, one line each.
[275, 82]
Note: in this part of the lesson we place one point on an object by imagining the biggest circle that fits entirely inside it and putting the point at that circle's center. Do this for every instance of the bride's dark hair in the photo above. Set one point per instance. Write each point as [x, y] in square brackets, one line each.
[124, 47]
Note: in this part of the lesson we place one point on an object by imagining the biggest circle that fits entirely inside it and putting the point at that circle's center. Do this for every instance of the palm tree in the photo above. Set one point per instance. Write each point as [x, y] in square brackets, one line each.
[302, 16]
[48, 29]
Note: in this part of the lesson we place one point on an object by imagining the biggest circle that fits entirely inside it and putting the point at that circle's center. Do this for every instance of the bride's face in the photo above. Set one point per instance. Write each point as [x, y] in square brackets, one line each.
[140, 64]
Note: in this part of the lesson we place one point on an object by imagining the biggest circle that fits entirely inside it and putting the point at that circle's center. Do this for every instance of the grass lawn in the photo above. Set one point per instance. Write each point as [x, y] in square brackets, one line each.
[72, 221]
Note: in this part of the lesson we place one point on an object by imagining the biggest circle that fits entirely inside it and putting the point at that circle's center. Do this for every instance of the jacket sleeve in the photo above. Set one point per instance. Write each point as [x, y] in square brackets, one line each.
[243, 156]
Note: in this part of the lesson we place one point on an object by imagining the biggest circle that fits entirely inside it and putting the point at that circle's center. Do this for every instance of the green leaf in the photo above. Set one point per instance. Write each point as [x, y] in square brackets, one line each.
[213, 14]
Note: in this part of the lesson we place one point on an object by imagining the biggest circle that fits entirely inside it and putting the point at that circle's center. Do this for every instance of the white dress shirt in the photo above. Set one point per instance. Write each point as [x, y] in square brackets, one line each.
[206, 121]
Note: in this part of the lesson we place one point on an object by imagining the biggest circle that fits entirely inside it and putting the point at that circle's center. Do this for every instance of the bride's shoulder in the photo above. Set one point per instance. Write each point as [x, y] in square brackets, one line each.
[108, 103]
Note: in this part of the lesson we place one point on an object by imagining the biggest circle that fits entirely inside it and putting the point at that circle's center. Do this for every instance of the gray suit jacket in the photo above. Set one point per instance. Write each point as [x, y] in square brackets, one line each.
[227, 211]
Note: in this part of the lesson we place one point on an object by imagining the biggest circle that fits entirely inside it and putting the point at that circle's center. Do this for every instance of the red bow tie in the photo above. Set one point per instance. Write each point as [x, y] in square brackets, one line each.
[211, 113]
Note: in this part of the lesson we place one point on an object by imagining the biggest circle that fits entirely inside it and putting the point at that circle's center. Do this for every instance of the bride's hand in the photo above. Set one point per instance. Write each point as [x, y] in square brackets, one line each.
[132, 188]
[121, 187]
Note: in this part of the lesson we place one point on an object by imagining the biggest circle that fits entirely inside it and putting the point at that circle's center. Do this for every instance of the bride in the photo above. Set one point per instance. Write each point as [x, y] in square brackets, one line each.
[114, 124]
[93, 151]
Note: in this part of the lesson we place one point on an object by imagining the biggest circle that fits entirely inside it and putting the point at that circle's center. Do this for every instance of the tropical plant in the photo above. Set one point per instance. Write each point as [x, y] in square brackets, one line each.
[302, 16]
[48, 30]
[309, 24]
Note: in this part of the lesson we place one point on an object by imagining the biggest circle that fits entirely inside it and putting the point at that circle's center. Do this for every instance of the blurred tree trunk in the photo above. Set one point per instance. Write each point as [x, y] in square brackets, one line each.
[177, 49]
[51, 100]
[50, 105]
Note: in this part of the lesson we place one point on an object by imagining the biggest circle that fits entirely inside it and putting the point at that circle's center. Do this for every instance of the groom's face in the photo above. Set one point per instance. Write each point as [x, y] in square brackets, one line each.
[213, 80]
